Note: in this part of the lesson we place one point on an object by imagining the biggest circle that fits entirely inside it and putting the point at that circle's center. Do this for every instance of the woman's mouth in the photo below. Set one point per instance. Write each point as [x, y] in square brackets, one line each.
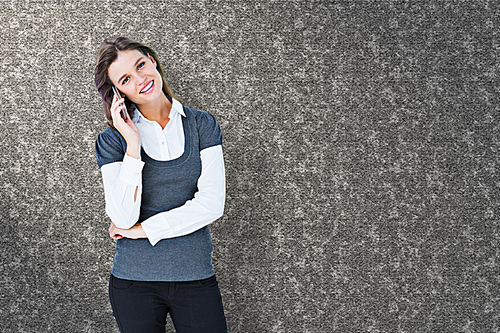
[148, 88]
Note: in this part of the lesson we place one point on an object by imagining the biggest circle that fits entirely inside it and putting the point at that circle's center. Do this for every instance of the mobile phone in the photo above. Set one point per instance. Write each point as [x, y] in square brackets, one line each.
[122, 112]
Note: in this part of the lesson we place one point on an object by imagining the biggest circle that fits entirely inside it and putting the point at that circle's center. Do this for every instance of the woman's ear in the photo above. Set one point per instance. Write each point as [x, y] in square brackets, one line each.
[152, 59]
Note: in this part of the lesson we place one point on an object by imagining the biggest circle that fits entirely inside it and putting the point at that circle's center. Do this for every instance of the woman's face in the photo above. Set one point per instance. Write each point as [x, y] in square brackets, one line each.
[135, 75]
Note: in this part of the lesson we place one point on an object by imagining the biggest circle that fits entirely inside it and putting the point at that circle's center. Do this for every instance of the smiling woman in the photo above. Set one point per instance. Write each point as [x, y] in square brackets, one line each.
[164, 182]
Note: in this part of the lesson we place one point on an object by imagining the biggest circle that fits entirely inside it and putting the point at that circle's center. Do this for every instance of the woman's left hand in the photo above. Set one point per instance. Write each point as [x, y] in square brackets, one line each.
[134, 233]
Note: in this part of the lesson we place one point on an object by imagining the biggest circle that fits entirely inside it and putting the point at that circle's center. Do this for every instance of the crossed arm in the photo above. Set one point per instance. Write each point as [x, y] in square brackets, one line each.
[123, 188]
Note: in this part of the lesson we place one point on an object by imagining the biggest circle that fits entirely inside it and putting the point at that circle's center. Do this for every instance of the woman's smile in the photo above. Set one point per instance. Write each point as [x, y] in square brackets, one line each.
[148, 88]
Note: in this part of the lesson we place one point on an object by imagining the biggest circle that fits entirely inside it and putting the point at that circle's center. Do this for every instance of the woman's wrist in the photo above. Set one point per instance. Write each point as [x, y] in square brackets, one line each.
[134, 150]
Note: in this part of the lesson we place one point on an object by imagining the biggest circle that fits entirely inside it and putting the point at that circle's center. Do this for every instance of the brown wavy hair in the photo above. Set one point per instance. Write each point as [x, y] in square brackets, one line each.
[107, 54]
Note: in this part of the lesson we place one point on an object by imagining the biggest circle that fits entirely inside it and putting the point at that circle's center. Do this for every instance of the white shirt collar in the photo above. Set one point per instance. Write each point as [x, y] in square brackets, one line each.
[176, 108]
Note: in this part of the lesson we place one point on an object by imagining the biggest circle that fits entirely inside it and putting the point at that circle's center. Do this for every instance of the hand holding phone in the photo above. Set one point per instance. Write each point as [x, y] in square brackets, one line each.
[123, 112]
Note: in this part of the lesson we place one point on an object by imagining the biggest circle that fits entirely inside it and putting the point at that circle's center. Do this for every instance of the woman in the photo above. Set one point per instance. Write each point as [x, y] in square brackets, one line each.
[164, 182]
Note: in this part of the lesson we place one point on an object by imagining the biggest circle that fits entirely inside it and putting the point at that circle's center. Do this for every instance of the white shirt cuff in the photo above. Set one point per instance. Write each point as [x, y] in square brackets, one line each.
[152, 230]
[131, 169]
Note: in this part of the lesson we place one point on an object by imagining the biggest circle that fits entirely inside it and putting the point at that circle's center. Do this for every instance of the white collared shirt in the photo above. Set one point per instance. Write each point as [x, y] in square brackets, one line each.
[162, 144]
[122, 178]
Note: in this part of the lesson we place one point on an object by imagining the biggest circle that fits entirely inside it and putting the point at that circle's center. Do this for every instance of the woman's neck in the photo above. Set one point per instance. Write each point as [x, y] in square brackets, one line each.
[158, 110]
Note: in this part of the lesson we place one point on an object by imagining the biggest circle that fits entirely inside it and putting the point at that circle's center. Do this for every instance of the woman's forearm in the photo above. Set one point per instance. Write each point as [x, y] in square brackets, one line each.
[123, 188]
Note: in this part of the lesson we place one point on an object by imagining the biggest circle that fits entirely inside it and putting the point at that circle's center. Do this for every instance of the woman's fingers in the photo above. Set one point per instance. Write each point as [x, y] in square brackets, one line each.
[116, 108]
[113, 232]
[112, 229]
[113, 109]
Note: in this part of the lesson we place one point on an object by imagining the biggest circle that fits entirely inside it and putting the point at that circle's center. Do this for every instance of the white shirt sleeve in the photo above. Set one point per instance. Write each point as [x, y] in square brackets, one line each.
[206, 206]
[120, 182]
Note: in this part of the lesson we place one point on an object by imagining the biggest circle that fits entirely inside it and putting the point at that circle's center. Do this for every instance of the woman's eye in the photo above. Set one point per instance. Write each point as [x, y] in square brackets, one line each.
[141, 65]
[125, 80]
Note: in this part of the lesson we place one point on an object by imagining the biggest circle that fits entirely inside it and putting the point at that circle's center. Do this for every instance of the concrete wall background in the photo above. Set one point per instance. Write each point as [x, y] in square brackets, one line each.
[361, 143]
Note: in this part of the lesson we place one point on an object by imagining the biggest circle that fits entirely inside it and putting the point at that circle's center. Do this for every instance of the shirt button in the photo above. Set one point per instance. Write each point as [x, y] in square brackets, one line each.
[163, 142]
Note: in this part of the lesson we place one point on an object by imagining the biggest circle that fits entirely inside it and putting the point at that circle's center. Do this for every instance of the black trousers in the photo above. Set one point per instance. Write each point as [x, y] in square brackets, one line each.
[142, 306]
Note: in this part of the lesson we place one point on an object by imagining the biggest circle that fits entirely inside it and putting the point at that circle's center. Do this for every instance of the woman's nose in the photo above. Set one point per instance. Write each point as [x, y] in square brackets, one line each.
[141, 79]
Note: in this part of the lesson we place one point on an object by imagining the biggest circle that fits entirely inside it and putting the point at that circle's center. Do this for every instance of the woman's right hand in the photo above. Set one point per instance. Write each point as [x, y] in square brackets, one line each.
[127, 128]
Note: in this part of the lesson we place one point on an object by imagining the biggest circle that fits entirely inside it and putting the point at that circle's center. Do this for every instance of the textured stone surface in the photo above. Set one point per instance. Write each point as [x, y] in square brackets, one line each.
[361, 142]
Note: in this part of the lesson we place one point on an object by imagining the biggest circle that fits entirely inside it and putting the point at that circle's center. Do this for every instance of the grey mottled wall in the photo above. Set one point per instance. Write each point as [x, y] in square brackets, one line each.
[361, 142]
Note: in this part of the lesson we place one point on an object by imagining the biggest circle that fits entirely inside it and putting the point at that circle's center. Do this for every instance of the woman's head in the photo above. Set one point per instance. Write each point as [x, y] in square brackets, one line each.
[128, 57]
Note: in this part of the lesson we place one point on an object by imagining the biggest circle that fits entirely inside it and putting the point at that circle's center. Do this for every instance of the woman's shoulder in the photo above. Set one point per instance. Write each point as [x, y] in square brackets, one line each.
[198, 114]
[110, 146]
[109, 135]
[202, 118]
[109, 131]
[207, 127]
[110, 138]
